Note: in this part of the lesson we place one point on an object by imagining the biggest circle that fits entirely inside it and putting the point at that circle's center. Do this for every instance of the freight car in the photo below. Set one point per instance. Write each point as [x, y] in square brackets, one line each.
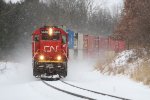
[50, 52]
[88, 45]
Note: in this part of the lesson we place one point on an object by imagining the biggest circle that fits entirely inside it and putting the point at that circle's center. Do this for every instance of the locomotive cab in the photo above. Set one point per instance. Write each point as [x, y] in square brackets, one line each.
[50, 52]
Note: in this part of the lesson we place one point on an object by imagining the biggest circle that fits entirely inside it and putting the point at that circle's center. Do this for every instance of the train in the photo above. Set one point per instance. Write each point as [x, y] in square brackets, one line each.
[92, 45]
[50, 52]
[51, 46]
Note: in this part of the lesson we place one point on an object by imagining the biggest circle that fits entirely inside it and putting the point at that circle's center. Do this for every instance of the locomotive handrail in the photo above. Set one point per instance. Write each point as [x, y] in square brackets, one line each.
[35, 53]
[66, 55]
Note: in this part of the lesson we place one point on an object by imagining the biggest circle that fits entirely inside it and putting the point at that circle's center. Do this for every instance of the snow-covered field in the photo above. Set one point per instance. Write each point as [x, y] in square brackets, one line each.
[17, 83]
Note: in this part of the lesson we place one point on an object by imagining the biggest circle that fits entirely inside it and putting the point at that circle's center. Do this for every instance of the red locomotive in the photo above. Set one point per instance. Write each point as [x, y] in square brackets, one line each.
[50, 52]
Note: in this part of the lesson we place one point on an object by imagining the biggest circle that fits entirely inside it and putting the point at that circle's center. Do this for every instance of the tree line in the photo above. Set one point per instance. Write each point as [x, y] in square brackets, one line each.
[135, 23]
[19, 20]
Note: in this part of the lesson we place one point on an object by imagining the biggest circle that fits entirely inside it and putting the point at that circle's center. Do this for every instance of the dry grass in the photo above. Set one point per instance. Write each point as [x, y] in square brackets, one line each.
[103, 66]
[142, 73]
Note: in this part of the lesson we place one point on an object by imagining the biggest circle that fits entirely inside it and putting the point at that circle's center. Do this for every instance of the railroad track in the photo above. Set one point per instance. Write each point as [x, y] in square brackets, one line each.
[121, 98]
[71, 93]
[81, 96]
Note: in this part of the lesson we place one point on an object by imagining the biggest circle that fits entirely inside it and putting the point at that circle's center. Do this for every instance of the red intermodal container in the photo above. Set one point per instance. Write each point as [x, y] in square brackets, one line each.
[85, 45]
[96, 43]
[93, 45]
[121, 46]
[116, 45]
[88, 45]
[103, 43]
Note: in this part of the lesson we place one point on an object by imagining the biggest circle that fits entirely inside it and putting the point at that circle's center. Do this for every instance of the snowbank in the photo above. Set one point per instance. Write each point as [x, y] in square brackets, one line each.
[14, 73]
[133, 63]
[124, 63]
[124, 58]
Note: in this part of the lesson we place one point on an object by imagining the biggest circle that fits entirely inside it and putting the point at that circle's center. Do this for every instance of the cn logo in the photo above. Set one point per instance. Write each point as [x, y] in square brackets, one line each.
[50, 48]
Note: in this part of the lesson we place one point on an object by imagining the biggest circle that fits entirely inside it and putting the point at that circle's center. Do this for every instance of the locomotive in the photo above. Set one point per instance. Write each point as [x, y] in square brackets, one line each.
[50, 52]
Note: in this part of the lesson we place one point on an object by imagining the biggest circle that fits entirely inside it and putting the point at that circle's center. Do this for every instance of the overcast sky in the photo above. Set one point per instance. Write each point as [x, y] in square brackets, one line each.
[107, 3]
[111, 4]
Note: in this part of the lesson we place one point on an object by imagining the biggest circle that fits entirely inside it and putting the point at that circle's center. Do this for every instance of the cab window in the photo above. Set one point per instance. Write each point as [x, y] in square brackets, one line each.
[36, 38]
[54, 36]
[64, 39]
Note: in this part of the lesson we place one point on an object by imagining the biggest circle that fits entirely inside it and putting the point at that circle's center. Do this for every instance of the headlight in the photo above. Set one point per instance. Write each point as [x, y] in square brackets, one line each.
[50, 32]
[41, 57]
[59, 57]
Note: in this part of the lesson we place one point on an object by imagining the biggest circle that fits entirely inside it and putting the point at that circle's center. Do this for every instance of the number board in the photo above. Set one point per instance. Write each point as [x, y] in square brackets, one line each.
[56, 32]
[44, 32]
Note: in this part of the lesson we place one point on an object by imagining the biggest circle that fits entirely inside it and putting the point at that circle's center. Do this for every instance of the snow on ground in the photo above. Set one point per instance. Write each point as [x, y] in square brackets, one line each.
[17, 83]
[82, 74]
[123, 57]
[125, 62]
[15, 73]
[127, 58]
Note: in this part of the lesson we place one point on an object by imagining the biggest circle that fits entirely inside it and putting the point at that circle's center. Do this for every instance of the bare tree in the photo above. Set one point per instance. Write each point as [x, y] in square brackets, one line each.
[135, 23]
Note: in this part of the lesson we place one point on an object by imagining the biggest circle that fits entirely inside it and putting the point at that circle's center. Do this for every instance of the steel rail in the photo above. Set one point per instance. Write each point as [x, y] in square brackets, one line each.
[71, 93]
[95, 91]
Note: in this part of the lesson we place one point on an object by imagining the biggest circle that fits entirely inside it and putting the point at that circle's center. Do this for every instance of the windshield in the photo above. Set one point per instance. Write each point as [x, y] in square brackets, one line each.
[64, 39]
[54, 36]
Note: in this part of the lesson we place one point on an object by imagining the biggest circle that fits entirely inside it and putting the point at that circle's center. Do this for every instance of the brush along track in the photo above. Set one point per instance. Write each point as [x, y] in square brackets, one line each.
[95, 91]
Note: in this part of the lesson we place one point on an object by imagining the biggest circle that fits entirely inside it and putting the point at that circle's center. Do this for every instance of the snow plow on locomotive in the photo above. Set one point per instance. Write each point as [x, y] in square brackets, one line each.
[49, 52]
